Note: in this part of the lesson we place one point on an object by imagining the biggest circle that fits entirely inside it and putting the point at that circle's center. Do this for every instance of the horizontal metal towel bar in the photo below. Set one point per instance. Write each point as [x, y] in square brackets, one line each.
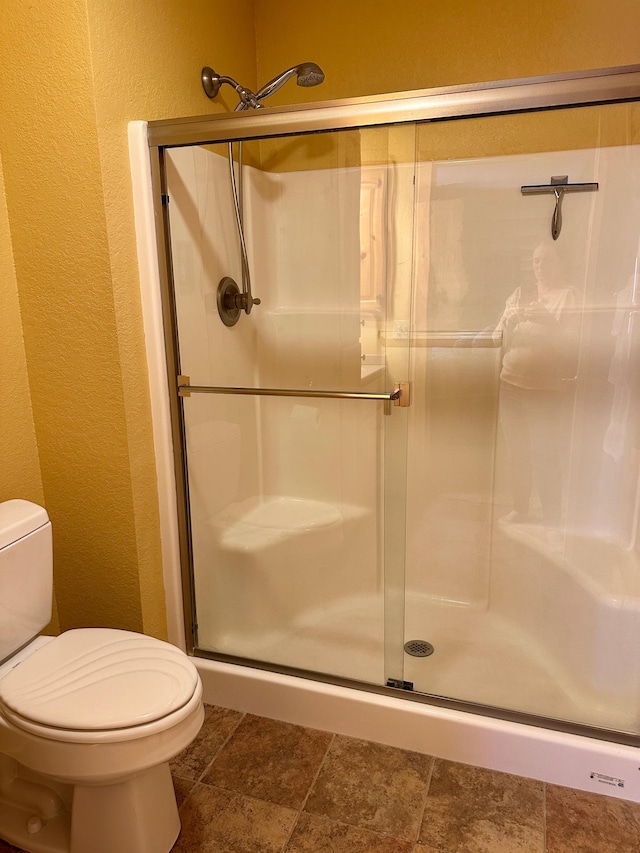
[440, 340]
[399, 396]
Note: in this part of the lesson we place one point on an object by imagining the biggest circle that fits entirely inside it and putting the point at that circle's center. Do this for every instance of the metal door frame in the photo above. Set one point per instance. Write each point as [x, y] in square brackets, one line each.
[522, 95]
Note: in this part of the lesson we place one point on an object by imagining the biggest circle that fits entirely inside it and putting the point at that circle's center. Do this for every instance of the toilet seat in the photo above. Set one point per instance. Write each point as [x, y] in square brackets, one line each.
[100, 685]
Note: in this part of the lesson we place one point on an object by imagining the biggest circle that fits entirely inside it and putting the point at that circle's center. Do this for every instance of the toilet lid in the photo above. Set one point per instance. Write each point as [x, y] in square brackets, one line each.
[97, 679]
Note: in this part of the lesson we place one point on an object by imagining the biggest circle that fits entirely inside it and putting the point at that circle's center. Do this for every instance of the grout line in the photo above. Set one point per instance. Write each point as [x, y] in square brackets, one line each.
[220, 748]
[304, 802]
[320, 766]
[426, 797]
[544, 817]
[218, 751]
[191, 790]
[293, 829]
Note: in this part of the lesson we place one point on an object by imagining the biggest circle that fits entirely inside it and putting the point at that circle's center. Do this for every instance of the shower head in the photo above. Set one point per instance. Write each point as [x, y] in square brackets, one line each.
[307, 73]
[310, 74]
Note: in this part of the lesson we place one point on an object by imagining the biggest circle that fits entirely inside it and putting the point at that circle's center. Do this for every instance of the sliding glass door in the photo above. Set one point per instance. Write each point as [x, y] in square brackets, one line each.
[295, 420]
[415, 462]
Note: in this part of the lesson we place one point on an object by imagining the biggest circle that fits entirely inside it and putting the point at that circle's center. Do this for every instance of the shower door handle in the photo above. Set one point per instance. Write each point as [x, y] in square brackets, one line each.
[400, 396]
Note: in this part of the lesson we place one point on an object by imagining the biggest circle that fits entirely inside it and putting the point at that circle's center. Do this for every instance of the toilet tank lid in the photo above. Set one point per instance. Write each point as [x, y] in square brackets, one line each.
[18, 518]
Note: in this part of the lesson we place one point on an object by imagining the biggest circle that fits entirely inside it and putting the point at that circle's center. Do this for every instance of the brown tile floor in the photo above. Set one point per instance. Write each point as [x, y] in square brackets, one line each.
[252, 785]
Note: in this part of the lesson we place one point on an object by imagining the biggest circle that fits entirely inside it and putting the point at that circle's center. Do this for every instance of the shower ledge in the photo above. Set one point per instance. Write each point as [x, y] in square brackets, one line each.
[605, 569]
[370, 372]
[264, 522]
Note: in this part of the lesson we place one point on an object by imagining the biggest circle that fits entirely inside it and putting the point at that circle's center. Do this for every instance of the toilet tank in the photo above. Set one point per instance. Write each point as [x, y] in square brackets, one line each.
[26, 574]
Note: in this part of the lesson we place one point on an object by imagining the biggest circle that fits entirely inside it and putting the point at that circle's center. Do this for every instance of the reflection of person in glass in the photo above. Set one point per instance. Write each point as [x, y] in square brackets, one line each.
[539, 329]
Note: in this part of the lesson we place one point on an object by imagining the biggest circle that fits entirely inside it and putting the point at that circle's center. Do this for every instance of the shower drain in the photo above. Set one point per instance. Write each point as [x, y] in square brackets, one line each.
[418, 648]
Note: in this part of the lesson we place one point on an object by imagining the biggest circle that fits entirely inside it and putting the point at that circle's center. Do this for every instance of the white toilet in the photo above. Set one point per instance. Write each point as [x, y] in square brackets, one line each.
[89, 720]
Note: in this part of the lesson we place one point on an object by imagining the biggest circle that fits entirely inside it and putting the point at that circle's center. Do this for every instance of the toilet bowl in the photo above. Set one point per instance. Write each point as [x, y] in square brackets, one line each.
[89, 721]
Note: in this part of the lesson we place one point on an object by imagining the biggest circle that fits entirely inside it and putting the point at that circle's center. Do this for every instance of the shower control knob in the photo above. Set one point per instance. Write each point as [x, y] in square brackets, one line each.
[231, 301]
[248, 301]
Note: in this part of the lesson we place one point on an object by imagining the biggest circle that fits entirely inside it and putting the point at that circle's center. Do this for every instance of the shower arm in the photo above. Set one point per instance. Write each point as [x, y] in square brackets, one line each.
[275, 84]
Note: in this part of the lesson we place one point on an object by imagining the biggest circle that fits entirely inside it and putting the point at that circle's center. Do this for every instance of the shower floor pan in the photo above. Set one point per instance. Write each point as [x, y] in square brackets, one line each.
[557, 637]
[479, 657]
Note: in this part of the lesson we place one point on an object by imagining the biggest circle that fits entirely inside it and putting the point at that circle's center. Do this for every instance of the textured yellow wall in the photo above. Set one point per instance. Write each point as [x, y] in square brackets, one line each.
[375, 47]
[71, 76]
[56, 211]
[20, 475]
[365, 51]
[19, 463]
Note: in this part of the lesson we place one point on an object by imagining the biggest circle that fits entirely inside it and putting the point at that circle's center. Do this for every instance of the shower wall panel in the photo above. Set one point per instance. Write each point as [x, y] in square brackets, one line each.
[309, 334]
[475, 238]
[221, 442]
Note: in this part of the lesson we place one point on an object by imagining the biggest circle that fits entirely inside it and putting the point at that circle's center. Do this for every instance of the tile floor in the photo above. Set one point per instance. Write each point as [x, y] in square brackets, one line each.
[252, 785]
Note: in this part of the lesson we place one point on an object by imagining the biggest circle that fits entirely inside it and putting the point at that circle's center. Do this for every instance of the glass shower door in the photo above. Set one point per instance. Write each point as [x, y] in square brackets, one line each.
[492, 525]
[295, 430]
[523, 569]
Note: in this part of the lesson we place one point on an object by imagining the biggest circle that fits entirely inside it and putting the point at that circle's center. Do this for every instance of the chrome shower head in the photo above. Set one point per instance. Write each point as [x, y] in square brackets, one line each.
[309, 74]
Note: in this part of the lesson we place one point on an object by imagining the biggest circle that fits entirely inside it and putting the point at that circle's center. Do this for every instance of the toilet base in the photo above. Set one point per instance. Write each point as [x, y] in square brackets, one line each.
[135, 815]
[52, 838]
[138, 815]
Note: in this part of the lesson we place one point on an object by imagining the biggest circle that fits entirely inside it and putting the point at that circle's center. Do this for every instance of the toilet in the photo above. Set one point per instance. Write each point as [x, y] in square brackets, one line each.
[89, 720]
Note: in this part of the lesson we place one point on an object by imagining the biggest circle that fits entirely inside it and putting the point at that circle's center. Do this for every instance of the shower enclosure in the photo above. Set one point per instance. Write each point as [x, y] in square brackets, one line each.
[415, 466]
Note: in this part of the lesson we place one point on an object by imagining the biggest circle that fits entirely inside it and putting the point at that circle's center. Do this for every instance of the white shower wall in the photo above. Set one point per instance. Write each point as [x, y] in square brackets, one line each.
[478, 216]
[204, 249]
[305, 253]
